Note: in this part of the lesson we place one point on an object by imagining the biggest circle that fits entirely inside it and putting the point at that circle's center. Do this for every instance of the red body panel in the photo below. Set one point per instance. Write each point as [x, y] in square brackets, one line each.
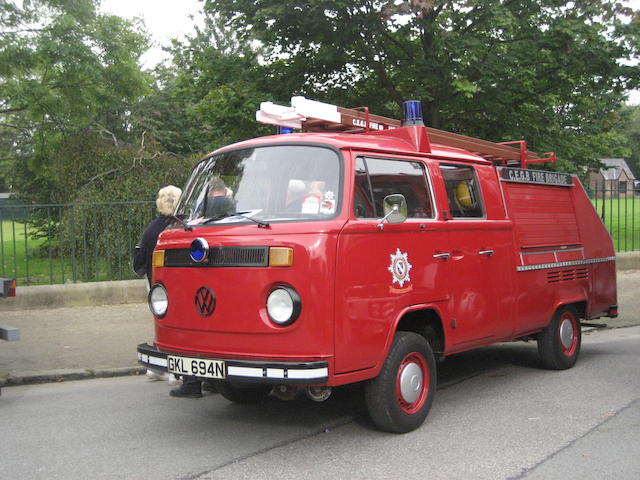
[343, 270]
[239, 326]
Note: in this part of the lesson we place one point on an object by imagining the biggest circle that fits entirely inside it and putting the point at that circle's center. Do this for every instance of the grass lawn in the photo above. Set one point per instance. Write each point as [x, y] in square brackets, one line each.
[622, 219]
[31, 262]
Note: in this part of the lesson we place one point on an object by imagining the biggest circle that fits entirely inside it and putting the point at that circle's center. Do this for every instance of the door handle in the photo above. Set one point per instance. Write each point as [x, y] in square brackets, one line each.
[444, 256]
[488, 253]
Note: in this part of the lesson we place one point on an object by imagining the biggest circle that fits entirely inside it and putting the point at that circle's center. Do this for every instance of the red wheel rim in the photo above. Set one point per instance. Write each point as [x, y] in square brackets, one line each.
[568, 334]
[412, 379]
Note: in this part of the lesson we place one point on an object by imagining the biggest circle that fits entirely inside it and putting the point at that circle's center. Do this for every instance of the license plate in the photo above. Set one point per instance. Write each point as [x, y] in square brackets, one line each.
[198, 367]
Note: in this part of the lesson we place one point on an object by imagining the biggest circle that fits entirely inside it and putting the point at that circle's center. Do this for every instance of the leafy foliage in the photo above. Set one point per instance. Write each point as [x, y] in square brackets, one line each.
[63, 67]
[549, 71]
[628, 127]
[115, 173]
[207, 97]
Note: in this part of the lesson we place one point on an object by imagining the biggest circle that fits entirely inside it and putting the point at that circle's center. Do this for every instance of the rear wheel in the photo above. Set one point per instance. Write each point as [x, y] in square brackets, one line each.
[559, 343]
[239, 393]
[399, 398]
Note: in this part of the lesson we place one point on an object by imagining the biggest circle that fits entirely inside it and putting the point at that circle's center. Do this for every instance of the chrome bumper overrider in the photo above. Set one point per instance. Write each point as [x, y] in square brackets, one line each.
[269, 372]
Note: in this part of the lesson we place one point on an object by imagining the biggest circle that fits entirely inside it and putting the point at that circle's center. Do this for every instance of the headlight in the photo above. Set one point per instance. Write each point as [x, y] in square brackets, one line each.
[158, 300]
[283, 305]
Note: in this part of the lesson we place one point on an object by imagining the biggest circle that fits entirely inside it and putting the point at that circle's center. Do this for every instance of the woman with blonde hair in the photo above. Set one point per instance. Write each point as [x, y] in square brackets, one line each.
[166, 205]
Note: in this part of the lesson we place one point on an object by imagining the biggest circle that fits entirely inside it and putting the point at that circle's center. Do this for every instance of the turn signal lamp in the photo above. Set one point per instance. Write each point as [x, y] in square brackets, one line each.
[412, 110]
[280, 256]
[157, 259]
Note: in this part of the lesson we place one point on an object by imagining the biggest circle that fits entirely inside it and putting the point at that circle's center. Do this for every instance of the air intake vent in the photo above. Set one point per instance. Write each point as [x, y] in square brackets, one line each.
[220, 257]
[239, 257]
[566, 275]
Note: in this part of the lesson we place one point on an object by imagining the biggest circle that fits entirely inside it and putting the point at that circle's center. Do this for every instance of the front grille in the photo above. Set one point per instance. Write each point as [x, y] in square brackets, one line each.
[566, 275]
[239, 257]
[220, 257]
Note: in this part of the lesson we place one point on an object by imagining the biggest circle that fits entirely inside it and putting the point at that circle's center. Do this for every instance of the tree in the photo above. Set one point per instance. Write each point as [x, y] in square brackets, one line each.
[63, 68]
[207, 95]
[551, 71]
[118, 172]
[628, 127]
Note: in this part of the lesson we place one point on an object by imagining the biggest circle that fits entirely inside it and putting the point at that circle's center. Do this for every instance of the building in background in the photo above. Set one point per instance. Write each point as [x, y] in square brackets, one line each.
[615, 179]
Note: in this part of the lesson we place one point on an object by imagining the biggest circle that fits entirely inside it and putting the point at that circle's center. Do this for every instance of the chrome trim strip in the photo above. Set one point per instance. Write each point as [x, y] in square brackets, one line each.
[560, 250]
[252, 372]
[308, 374]
[542, 266]
[160, 362]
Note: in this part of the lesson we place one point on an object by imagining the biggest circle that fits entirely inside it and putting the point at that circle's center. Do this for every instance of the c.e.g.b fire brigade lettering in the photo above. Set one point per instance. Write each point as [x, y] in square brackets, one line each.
[521, 175]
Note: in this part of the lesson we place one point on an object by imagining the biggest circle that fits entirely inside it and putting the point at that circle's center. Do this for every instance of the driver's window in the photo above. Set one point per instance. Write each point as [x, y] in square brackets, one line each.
[378, 177]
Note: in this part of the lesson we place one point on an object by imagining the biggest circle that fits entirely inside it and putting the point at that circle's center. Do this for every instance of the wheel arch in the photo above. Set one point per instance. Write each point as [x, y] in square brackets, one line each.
[425, 320]
[579, 303]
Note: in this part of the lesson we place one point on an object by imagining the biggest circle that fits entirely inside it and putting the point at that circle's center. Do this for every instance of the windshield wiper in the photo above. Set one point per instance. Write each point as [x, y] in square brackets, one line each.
[260, 223]
[187, 228]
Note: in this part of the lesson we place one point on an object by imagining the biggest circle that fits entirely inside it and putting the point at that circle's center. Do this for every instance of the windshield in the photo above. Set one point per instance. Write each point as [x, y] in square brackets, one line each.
[265, 183]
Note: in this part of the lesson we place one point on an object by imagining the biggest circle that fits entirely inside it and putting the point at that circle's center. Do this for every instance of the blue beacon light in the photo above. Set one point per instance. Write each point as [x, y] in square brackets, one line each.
[280, 130]
[199, 250]
[412, 110]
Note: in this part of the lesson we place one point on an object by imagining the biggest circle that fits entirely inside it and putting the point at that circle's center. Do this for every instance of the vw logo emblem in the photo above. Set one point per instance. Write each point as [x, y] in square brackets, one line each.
[199, 250]
[205, 301]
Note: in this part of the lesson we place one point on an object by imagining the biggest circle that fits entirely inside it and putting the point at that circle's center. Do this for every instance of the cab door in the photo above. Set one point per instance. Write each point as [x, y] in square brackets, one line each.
[382, 270]
[478, 257]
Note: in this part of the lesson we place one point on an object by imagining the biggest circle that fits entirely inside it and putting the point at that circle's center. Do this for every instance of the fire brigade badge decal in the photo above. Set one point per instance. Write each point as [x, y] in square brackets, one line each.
[400, 268]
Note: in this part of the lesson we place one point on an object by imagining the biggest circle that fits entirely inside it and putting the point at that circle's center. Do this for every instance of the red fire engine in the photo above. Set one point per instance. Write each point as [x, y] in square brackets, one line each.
[365, 249]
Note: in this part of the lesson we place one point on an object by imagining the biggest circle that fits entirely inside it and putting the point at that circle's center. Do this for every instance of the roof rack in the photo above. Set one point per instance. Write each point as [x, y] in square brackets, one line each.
[313, 116]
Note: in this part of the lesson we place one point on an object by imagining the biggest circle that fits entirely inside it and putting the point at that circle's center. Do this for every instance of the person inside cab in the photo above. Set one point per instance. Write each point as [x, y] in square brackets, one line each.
[219, 202]
[295, 195]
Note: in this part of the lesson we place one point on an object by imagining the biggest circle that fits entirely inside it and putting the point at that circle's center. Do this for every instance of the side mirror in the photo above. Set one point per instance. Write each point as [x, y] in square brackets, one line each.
[395, 209]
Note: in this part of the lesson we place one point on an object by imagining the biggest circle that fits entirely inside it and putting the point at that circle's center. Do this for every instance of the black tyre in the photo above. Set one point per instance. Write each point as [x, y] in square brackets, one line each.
[239, 393]
[559, 343]
[399, 398]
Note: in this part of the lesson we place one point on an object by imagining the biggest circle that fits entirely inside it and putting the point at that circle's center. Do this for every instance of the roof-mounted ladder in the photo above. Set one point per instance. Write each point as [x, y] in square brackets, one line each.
[313, 116]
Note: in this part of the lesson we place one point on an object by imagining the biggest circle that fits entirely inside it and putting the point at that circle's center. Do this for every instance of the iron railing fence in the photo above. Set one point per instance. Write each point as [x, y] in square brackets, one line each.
[618, 204]
[60, 243]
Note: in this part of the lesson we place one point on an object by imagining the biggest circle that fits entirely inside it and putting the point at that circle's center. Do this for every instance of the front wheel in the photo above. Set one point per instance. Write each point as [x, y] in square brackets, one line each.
[238, 393]
[399, 398]
[559, 343]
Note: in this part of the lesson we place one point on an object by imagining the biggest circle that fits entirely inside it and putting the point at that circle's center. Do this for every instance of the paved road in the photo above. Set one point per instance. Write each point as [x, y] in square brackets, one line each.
[497, 415]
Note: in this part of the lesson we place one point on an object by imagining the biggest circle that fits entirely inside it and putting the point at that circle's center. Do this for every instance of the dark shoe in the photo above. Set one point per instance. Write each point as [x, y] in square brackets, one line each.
[187, 390]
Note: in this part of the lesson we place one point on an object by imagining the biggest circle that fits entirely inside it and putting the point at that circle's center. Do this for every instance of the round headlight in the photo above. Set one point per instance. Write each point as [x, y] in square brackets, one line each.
[283, 305]
[158, 300]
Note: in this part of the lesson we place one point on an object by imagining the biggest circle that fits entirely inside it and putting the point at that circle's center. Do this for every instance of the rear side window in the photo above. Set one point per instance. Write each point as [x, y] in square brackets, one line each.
[376, 178]
[462, 191]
